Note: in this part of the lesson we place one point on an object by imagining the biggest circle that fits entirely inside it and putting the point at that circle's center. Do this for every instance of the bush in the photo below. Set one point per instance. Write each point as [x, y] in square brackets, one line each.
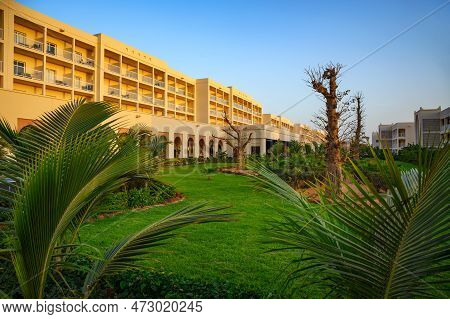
[139, 192]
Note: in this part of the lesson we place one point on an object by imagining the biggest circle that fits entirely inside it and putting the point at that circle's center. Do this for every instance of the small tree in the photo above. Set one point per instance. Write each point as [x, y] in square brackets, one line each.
[359, 134]
[333, 118]
[238, 139]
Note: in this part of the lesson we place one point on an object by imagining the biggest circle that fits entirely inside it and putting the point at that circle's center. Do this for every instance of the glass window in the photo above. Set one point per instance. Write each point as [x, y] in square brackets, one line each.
[19, 67]
[20, 38]
[51, 75]
[51, 48]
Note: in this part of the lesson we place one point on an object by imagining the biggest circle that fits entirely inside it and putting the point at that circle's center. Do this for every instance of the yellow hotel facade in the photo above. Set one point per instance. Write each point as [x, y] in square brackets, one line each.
[45, 63]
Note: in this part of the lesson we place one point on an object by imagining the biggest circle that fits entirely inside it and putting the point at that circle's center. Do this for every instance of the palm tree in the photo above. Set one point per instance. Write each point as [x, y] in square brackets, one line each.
[59, 168]
[362, 244]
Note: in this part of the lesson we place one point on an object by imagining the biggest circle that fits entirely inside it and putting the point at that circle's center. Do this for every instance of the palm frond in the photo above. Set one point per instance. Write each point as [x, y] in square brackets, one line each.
[363, 244]
[138, 246]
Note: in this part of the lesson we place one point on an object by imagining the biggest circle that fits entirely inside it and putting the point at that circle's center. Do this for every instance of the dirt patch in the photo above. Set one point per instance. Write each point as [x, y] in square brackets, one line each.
[176, 199]
[236, 171]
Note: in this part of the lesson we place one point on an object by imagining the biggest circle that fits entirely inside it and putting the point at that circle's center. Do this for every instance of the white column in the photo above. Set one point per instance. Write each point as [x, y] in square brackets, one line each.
[171, 145]
[262, 145]
[196, 145]
[184, 147]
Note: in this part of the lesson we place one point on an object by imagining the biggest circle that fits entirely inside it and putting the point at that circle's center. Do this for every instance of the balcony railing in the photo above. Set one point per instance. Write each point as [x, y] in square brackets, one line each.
[85, 86]
[159, 102]
[84, 61]
[190, 94]
[160, 83]
[181, 92]
[129, 95]
[171, 105]
[65, 54]
[223, 101]
[147, 99]
[1, 66]
[238, 106]
[190, 110]
[131, 74]
[147, 79]
[212, 98]
[1, 33]
[181, 108]
[171, 88]
[60, 80]
[247, 109]
[112, 91]
[213, 112]
[24, 41]
[112, 68]
[29, 74]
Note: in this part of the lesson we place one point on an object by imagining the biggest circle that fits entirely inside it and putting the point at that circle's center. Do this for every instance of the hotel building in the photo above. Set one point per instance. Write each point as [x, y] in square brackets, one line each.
[44, 63]
[394, 136]
[432, 126]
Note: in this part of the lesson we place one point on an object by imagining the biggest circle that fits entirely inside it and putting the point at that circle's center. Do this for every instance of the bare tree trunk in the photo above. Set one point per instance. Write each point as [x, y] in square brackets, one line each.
[359, 125]
[333, 151]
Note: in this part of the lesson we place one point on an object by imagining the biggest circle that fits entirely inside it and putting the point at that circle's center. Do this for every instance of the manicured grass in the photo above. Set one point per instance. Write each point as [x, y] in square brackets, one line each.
[233, 252]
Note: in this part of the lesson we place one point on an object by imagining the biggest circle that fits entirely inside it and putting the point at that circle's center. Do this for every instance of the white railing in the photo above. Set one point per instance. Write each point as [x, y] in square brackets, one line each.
[84, 61]
[212, 112]
[238, 106]
[160, 83]
[171, 88]
[212, 98]
[190, 94]
[247, 109]
[129, 95]
[131, 74]
[159, 102]
[181, 108]
[22, 40]
[223, 101]
[85, 86]
[181, 91]
[60, 80]
[65, 54]
[33, 74]
[147, 79]
[171, 105]
[112, 91]
[112, 68]
[147, 99]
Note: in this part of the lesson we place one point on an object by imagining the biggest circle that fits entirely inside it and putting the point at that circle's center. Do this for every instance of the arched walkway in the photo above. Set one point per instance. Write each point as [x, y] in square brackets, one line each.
[190, 148]
[202, 147]
[211, 148]
[220, 147]
[166, 148]
[177, 147]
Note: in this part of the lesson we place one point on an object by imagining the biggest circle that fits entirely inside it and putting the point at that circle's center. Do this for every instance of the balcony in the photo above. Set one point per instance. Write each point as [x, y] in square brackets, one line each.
[159, 83]
[147, 99]
[130, 95]
[171, 88]
[28, 74]
[213, 112]
[85, 86]
[223, 101]
[26, 42]
[180, 108]
[171, 106]
[64, 54]
[84, 61]
[1, 66]
[190, 94]
[238, 106]
[1, 34]
[131, 74]
[60, 80]
[213, 98]
[247, 109]
[113, 92]
[147, 79]
[181, 92]
[190, 110]
[112, 68]
[159, 102]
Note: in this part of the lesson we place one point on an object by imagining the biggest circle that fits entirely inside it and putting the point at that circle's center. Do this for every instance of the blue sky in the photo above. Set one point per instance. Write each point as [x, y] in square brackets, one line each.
[263, 47]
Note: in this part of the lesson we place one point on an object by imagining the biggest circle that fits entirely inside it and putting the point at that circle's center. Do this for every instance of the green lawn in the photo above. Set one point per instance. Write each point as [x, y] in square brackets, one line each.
[234, 252]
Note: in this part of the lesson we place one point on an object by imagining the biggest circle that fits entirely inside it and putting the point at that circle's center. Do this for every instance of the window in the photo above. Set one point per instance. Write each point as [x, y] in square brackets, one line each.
[51, 75]
[19, 68]
[78, 56]
[20, 38]
[51, 48]
[77, 81]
